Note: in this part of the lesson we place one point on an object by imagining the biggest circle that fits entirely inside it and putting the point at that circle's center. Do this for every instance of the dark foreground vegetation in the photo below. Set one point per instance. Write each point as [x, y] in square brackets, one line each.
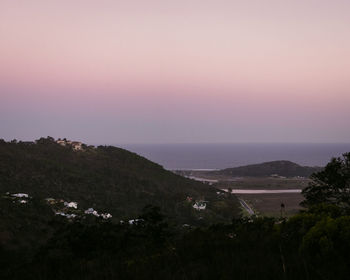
[314, 244]
[311, 245]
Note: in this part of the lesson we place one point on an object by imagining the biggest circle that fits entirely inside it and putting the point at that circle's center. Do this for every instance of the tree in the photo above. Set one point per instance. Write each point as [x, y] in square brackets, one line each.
[331, 185]
[152, 222]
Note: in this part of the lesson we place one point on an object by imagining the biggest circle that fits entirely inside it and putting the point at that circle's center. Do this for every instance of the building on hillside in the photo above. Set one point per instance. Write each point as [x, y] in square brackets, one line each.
[77, 146]
[106, 216]
[71, 204]
[61, 142]
[20, 195]
[200, 205]
[91, 211]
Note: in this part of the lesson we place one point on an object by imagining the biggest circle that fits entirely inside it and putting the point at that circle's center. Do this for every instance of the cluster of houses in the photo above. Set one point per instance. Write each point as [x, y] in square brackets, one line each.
[21, 198]
[76, 146]
[91, 211]
[60, 207]
[69, 209]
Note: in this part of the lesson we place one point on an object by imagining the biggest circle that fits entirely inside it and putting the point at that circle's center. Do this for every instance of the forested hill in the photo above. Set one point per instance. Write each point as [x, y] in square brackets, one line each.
[42, 239]
[106, 178]
[280, 168]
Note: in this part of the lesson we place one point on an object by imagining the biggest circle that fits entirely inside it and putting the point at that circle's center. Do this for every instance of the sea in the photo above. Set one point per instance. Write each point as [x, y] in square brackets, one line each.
[219, 156]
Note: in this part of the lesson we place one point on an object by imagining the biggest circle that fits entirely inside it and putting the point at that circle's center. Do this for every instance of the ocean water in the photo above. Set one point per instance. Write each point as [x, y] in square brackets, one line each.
[218, 156]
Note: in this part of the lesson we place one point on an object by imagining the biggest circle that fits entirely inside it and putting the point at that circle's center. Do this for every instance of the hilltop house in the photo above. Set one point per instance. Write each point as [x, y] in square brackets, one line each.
[77, 146]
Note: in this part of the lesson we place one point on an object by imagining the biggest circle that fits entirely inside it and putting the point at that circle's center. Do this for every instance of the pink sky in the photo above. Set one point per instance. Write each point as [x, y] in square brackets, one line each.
[175, 71]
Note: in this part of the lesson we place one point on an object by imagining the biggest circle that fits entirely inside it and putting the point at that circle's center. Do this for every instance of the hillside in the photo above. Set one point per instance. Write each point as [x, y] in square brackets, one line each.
[281, 168]
[108, 179]
[36, 243]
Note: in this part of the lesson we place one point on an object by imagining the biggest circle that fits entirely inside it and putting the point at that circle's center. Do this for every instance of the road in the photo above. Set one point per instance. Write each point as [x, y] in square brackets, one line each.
[246, 206]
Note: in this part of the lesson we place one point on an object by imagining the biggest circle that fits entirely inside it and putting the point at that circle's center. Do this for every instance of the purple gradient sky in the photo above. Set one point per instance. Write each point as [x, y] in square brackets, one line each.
[162, 71]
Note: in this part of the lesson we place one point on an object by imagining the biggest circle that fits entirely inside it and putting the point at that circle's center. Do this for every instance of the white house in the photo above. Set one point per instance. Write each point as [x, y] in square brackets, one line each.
[135, 221]
[91, 211]
[77, 146]
[71, 204]
[22, 195]
[106, 216]
[200, 205]
[69, 216]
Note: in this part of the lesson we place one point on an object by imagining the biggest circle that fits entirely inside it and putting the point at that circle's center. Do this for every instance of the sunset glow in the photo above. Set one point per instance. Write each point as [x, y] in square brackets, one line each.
[175, 71]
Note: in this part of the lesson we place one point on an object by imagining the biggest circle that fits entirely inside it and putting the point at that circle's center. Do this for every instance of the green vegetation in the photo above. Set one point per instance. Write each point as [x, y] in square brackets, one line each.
[107, 179]
[331, 185]
[279, 168]
[263, 183]
[36, 244]
[309, 245]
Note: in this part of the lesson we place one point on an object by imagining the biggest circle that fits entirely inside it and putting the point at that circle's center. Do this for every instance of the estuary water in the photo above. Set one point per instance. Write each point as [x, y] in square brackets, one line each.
[218, 156]
[242, 191]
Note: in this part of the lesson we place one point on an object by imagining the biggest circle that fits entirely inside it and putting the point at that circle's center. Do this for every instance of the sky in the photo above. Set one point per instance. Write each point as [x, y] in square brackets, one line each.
[185, 71]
